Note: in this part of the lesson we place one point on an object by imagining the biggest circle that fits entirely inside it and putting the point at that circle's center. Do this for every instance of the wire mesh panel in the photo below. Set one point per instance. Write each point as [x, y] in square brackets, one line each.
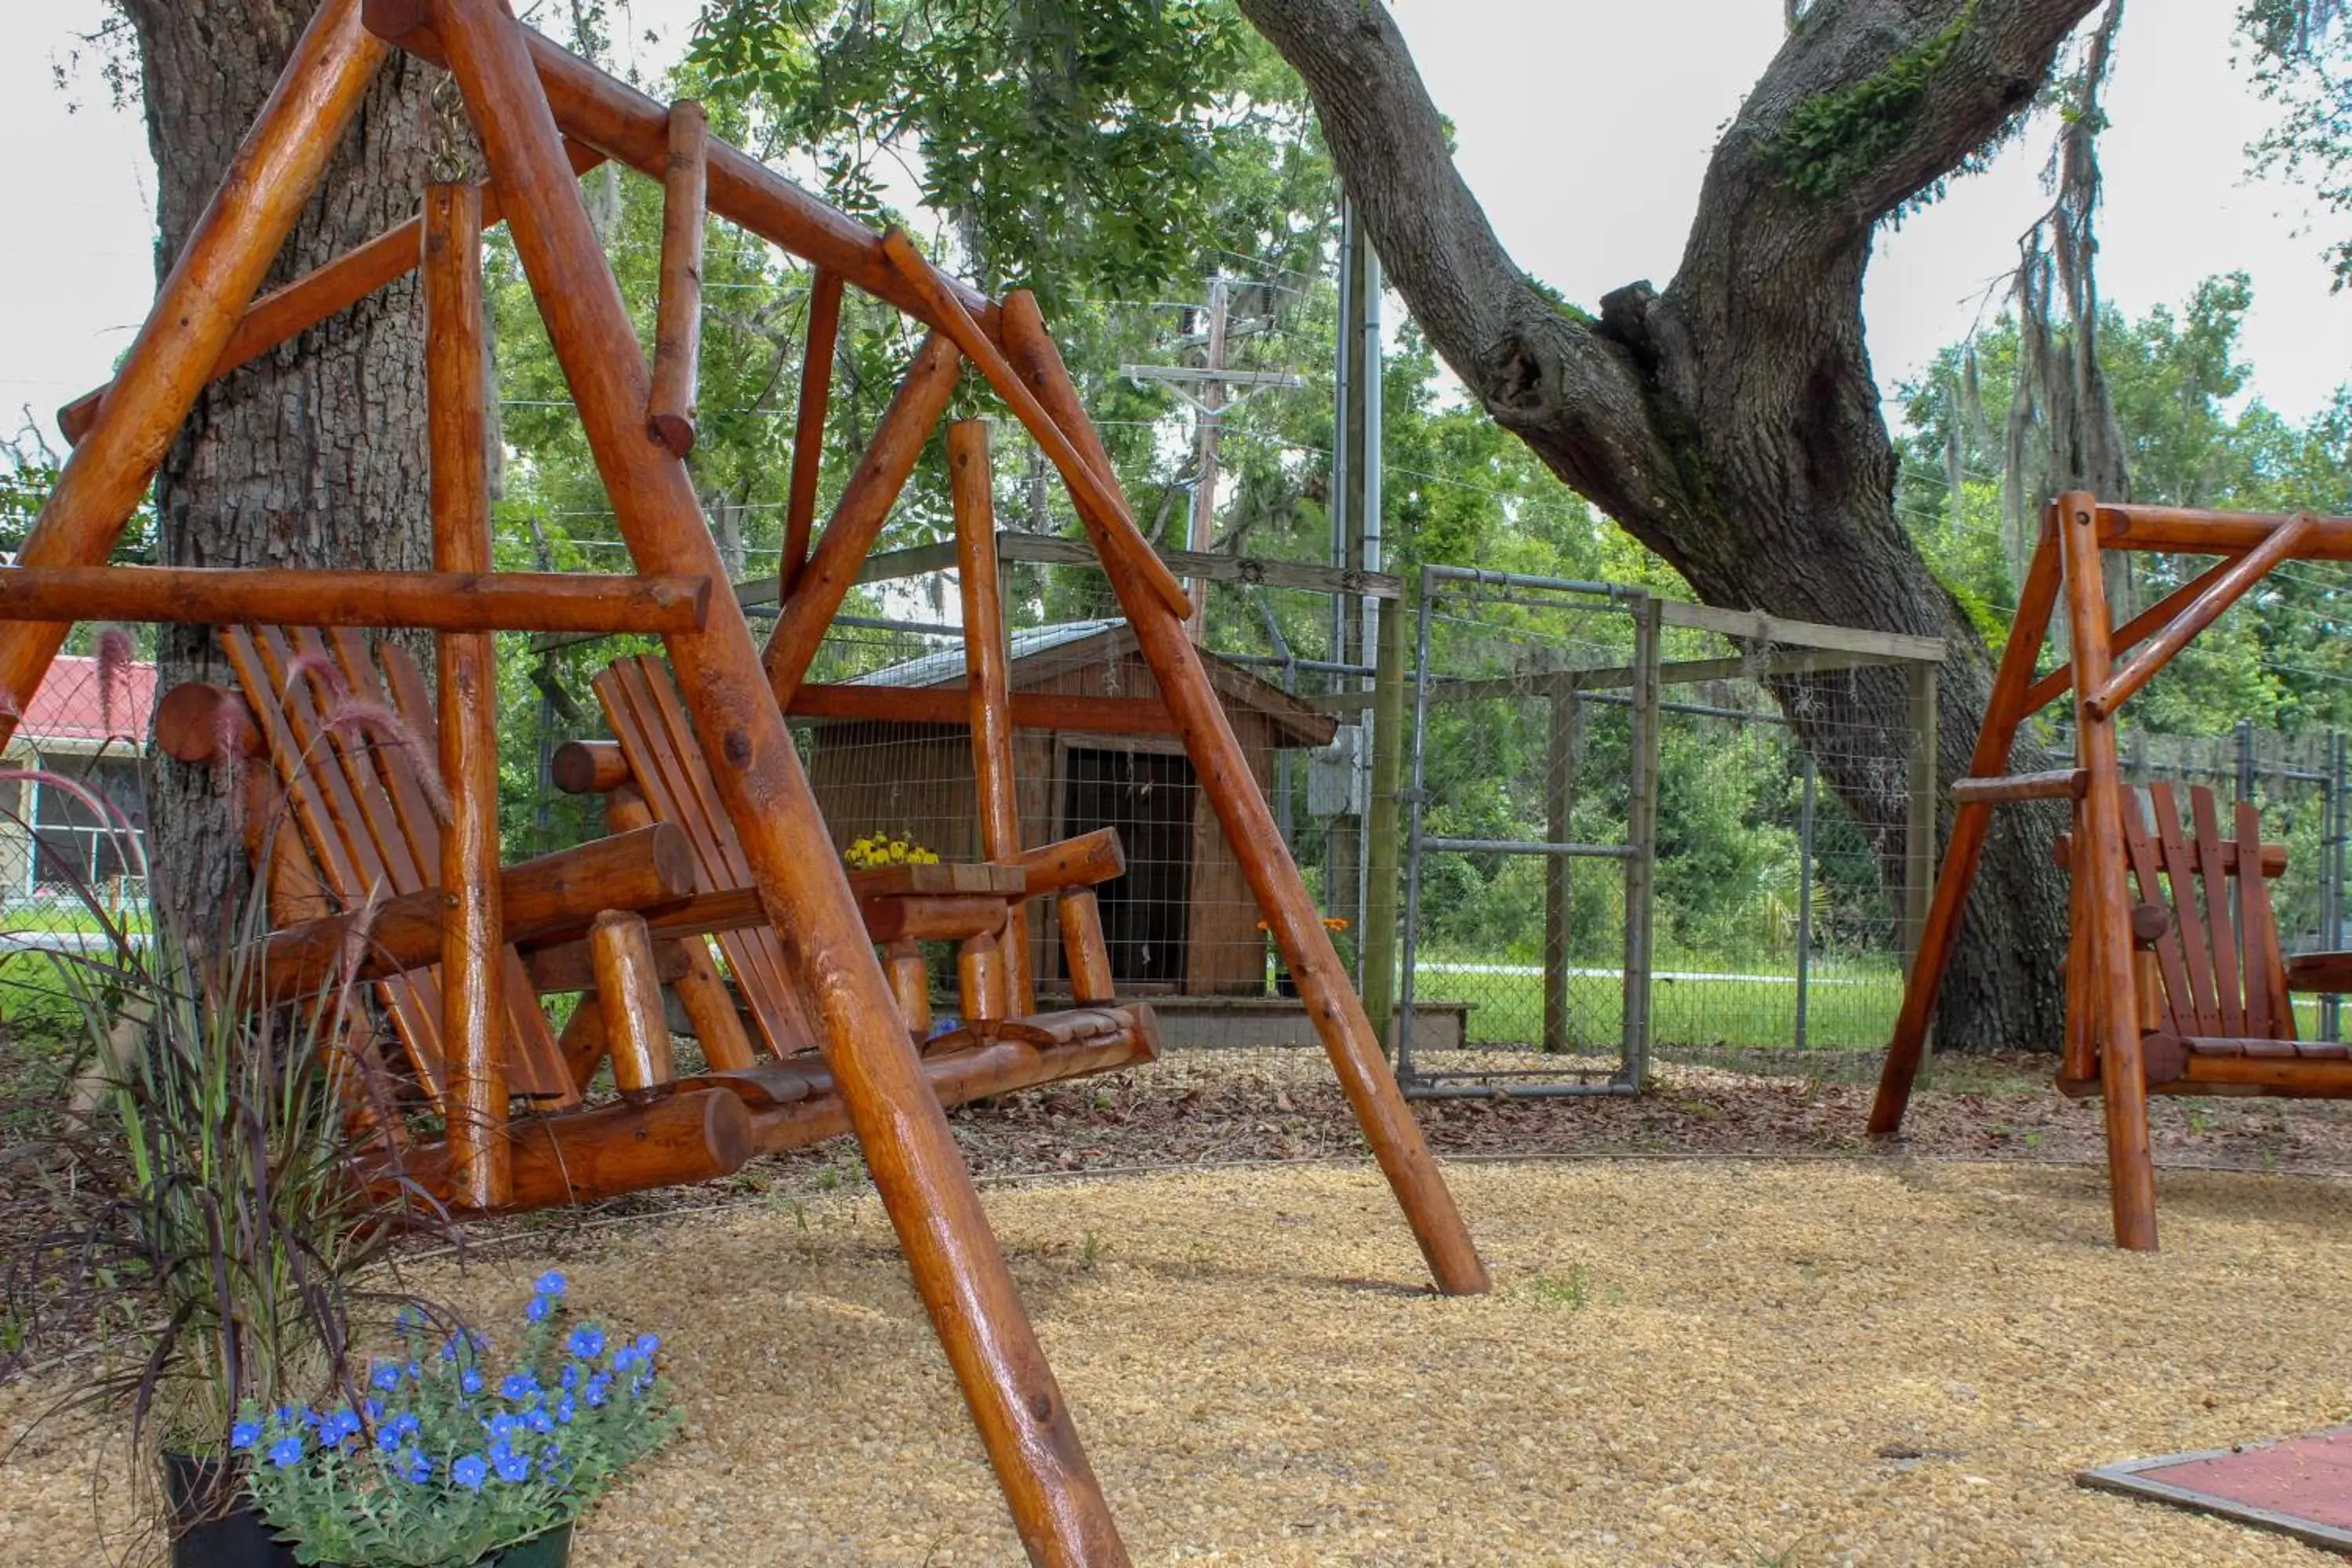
[1528, 853]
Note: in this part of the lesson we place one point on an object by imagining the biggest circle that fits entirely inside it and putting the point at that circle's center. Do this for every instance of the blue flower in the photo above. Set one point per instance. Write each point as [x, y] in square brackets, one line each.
[513, 1466]
[386, 1377]
[518, 1385]
[587, 1341]
[538, 1420]
[639, 1384]
[470, 1380]
[550, 1283]
[245, 1434]
[571, 1374]
[336, 1429]
[288, 1414]
[414, 1468]
[648, 1343]
[388, 1438]
[414, 1371]
[469, 1473]
[599, 1389]
[374, 1408]
[542, 1308]
[625, 1358]
[565, 1410]
[286, 1451]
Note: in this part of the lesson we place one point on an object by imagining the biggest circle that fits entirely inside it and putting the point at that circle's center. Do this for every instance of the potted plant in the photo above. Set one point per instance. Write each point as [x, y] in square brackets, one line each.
[206, 1188]
[454, 1457]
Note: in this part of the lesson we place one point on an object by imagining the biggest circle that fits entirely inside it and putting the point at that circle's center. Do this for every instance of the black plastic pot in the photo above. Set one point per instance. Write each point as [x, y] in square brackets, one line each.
[213, 1525]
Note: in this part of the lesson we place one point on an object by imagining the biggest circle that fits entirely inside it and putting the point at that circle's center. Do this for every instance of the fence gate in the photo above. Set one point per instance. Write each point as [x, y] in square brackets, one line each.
[1532, 833]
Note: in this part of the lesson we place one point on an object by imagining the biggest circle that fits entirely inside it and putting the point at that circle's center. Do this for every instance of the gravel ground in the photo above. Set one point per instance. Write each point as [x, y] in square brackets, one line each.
[1741, 1363]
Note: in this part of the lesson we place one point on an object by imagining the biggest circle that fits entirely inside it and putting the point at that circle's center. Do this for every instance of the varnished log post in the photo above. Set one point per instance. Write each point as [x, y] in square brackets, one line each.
[989, 679]
[980, 982]
[268, 184]
[2098, 865]
[473, 1003]
[1939, 933]
[808, 426]
[1055, 1502]
[701, 991]
[628, 986]
[858, 516]
[910, 982]
[678, 313]
[1224, 774]
[1084, 950]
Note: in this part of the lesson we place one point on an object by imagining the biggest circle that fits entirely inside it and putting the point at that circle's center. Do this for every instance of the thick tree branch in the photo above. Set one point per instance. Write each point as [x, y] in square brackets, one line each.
[1536, 365]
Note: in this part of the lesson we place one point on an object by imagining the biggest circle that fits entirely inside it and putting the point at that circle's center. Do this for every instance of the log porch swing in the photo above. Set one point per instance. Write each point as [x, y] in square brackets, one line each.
[543, 117]
[2174, 980]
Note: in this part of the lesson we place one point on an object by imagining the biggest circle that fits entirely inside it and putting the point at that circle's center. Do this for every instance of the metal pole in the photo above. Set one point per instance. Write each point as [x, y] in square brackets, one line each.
[1377, 948]
[1411, 943]
[1641, 836]
[1805, 893]
[1209, 417]
[2331, 1006]
[2245, 759]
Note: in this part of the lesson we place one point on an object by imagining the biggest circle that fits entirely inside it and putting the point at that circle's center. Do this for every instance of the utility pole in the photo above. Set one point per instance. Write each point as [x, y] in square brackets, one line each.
[1215, 378]
[1355, 534]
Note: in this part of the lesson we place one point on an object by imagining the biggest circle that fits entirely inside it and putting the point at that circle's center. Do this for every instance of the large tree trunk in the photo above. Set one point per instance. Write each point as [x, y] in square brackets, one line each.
[313, 456]
[1731, 423]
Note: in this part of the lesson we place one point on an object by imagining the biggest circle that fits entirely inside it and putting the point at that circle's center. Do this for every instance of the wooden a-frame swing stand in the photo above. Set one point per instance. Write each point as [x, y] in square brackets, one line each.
[2155, 998]
[542, 117]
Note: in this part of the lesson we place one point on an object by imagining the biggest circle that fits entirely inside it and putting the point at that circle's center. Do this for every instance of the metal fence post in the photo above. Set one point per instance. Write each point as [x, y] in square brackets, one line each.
[1415, 769]
[1378, 948]
[1563, 715]
[1805, 893]
[1642, 833]
[2245, 733]
[2331, 890]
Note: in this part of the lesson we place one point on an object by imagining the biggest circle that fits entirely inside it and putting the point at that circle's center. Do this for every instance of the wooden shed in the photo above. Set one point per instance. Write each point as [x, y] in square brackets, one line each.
[1182, 920]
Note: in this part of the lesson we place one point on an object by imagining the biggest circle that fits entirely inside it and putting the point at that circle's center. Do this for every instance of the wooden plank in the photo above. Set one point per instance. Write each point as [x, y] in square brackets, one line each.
[2220, 921]
[414, 1006]
[268, 184]
[628, 991]
[678, 306]
[2196, 946]
[2147, 867]
[2198, 533]
[2269, 1009]
[952, 705]
[989, 682]
[808, 426]
[1754, 626]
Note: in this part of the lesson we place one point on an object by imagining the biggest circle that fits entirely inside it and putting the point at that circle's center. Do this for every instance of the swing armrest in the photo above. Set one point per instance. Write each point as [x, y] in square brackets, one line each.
[2330, 971]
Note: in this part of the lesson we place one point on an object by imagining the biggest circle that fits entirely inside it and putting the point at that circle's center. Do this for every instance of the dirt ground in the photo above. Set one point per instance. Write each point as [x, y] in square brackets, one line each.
[1871, 1359]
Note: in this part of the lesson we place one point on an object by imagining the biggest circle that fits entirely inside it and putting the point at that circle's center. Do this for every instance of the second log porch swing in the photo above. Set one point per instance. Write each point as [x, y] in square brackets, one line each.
[2175, 982]
[541, 117]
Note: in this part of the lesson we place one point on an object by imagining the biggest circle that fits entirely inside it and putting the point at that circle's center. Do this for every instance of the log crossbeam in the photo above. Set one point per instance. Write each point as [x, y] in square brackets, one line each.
[470, 601]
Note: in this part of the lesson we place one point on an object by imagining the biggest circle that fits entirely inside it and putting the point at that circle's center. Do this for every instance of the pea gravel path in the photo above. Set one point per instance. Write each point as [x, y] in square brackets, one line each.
[1713, 1362]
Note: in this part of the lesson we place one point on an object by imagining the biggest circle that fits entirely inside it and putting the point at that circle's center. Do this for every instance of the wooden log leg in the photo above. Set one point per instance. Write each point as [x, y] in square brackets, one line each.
[2099, 861]
[1085, 953]
[1051, 1491]
[988, 669]
[584, 1040]
[266, 188]
[980, 984]
[1939, 933]
[628, 984]
[910, 983]
[2080, 1057]
[708, 1001]
[808, 428]
[473, 968]
[677, 312]
[1224, 775]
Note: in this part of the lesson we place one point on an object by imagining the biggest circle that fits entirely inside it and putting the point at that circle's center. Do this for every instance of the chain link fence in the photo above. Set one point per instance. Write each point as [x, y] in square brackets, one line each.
[73, 802]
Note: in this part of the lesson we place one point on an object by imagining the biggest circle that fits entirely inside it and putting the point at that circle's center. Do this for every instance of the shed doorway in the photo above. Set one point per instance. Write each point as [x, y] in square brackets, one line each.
[1148, 797]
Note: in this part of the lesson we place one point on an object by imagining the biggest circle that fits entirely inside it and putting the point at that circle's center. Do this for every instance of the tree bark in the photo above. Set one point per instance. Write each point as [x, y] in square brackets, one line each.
[314, 455]
[1731, 422]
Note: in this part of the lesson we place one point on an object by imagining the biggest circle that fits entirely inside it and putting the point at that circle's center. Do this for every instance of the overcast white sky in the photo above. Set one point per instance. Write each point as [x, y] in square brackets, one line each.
[1588, 168]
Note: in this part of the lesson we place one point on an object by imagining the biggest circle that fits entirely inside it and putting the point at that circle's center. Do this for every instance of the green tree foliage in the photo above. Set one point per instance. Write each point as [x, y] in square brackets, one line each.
[2192, 437]
[2300, 53]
